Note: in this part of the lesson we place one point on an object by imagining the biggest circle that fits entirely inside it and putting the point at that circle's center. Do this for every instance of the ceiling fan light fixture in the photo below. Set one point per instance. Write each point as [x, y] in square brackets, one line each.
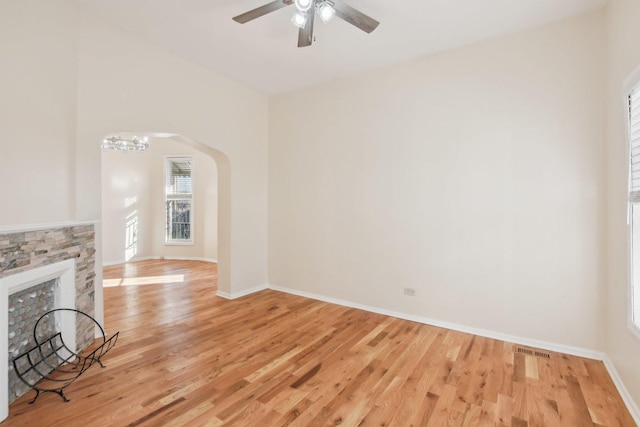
[299, 19]
[305, 13]
[326, 11]
[303, 5]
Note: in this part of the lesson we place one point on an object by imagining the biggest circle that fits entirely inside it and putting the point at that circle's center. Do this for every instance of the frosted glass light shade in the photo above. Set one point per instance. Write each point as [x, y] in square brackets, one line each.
[299, 19]
[303, 5]
[326, 12]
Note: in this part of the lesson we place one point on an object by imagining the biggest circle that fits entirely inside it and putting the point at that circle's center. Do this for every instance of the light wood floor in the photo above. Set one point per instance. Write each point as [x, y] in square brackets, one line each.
[188, 358]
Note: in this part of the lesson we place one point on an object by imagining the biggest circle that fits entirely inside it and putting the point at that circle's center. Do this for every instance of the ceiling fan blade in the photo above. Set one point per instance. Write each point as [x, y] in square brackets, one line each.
[305, 35]
[262, 10]
[355, 17]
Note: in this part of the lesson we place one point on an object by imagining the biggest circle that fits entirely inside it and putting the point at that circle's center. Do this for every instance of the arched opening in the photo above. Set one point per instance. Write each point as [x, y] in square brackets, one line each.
[123, 216]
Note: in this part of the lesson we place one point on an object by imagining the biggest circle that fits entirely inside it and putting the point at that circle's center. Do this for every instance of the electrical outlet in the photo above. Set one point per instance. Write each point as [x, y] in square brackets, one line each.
[410, 292]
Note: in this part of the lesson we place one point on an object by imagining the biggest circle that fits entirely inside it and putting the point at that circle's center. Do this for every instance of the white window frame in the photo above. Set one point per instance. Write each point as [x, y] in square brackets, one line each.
[167, 197]
[631, 83]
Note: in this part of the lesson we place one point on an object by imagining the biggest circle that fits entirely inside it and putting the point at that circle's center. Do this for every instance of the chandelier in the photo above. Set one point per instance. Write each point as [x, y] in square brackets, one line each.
[324, 8]
[118, 143]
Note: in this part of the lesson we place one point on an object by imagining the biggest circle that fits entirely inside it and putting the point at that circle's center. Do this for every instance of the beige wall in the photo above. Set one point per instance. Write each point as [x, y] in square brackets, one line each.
[126, 196]
[68, 80]
[623, 58]
[127, 84]
[475, 177]
[132, 187]
[38, 75]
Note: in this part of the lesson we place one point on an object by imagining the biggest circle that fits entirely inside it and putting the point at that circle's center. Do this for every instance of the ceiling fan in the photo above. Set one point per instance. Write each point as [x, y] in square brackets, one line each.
[305, 16]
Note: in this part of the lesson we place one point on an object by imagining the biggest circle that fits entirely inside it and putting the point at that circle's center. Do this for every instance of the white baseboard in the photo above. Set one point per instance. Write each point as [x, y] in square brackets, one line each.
[624, 393]
[147, 258]
[241, 294]
[576, 351]
[212, 260]
[110, 263]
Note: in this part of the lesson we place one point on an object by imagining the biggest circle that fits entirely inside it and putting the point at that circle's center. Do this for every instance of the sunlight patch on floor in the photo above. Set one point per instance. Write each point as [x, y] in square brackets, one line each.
[141, 281]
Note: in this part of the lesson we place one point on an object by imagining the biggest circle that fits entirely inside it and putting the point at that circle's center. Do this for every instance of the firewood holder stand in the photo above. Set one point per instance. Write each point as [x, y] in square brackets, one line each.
[51, 366]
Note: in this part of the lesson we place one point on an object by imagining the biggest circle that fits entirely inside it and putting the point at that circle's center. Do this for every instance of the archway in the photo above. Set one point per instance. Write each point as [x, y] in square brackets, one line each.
[223, 204]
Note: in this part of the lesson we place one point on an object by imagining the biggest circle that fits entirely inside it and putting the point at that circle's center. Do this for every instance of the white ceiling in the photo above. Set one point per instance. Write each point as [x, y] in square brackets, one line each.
[263, 53]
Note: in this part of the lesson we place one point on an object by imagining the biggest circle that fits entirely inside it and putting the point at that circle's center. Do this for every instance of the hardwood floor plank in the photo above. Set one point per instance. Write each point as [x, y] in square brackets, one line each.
[504, 410]
[441, 412]
[186, 357]
[582, 415]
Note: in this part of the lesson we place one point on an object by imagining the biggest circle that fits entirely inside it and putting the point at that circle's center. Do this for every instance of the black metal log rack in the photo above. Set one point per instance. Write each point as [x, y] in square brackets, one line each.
[51, 366]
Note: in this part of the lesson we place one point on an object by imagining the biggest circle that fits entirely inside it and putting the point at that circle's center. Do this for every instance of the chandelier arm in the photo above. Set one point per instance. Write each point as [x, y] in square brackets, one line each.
[117, 143]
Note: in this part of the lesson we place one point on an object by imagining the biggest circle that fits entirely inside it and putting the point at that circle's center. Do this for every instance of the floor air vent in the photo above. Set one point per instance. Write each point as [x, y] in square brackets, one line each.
[533, 353]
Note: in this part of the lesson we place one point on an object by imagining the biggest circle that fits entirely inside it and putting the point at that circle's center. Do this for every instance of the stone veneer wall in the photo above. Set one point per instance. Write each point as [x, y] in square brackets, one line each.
[25, 250]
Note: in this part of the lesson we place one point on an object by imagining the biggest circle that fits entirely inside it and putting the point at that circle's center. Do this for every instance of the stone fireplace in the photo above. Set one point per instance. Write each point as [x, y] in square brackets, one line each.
[32, 257]
[20, 288]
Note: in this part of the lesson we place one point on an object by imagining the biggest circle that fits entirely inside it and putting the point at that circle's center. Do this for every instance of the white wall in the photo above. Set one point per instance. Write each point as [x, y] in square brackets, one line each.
[623, 58]
[127, 84]
[132, 187]
[126, 196]
[38, 75]
[475, 177]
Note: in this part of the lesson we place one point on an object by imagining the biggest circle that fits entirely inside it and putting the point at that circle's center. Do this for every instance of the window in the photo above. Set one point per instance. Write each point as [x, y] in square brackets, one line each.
[178, 200]
[634, 200]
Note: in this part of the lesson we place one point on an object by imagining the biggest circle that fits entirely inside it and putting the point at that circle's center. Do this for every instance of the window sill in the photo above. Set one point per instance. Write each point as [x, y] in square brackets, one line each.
[176, 243]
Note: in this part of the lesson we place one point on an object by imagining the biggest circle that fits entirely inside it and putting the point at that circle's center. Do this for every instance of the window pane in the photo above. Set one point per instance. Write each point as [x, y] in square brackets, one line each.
[179, 176]
[131, 237]
[635, 263]
[634, 198]
[178, 220]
